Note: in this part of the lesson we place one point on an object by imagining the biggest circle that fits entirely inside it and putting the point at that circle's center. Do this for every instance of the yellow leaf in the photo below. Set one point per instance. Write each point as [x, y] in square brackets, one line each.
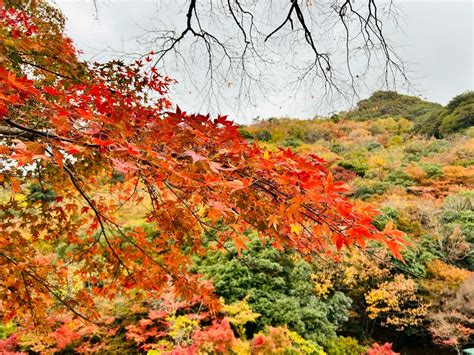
[296, 228]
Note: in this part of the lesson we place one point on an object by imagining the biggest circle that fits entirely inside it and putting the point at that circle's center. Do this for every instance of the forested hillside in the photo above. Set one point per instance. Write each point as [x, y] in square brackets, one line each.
[386, 151]
[429, 118]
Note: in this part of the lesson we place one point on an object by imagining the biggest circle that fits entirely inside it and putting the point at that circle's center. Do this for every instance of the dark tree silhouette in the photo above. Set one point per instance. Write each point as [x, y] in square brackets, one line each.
[332, 44]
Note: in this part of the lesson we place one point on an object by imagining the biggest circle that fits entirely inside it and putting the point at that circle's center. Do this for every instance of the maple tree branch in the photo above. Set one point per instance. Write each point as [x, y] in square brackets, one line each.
[98, 216]
[392, 264]
[309, 212]
[101, 218]
[133, 193]
[142, 250]
[45, 69]
[242, 30]
[16, 129]
[51, 289]
[33, 316]
[12, 132]
[203, 224]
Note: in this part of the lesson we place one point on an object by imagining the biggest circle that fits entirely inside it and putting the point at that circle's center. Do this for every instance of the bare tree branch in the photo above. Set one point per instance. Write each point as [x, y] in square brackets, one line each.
[243, 42]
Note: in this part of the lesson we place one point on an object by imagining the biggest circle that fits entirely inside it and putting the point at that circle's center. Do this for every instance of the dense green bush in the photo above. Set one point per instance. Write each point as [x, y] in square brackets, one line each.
[414, 150]
[417, 149]
[291, 142]
[366, 189]
[296, 132]
[372, 146]
[337, 148]
[399, 177]
[356, 163]
[387, 214]
[264, 135]
[416, 257]
[437, 146]
[41, 194]
[428, 124]
[279, 287]
[457, 218]
[459, 210]
[245, 134]
[433, 171]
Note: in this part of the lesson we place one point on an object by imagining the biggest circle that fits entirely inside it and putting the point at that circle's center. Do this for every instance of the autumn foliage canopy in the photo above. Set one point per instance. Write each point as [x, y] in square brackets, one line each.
[77, 129]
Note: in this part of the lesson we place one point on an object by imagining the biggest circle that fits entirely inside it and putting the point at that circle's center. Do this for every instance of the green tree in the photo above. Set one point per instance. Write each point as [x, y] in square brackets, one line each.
[278, 286]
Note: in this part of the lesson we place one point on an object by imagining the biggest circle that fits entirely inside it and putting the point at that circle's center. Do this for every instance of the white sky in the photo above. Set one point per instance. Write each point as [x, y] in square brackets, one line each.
[436, 38]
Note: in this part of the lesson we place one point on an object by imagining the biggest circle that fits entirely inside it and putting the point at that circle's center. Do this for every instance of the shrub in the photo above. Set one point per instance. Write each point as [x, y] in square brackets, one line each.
[341, 174]
[368, 188]
[428, 124]
[399, 177]
[416, 257]
[395, 140]
[387, 214]
[437, 146]
[38, 193]
[296, 132]
[452, 326]
[458, 209]
[344, 346]
[263, 135]
[280, 340]
[291, 142]
[459, 174]
[372, 146]
[245, 134]
[456, 229]
[312, 135]
[396, 303]
[416, 173]
[357, 164]
[433, 171]
[7, 329]
[414, 150]
[337, 148]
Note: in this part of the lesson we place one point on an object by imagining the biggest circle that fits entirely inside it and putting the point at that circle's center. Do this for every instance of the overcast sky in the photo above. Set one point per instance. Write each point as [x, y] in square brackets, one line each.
[436, 38]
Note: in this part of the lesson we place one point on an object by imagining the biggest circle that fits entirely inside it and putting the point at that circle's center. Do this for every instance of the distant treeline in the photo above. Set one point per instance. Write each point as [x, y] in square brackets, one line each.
[429, 118]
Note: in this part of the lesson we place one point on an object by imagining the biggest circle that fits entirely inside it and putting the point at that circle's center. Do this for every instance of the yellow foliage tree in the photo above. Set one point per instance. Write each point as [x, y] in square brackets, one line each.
[239, 314]
[396, 303]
